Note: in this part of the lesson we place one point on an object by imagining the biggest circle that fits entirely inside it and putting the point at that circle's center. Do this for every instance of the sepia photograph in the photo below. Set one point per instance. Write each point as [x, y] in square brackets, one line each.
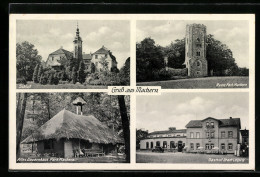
[72, 128]
[72, 54]
[192, 54]
[193, 128]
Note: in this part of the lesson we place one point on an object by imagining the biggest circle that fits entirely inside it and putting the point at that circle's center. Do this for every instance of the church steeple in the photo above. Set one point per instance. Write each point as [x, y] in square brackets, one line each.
[77, 45]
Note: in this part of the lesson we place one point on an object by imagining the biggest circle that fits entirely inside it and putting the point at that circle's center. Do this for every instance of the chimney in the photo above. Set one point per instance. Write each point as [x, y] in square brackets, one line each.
[172, 128]
[61, 47]
[79, 102]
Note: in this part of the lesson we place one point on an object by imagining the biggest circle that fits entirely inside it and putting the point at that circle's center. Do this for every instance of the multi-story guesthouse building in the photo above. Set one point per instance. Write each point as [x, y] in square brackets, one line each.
[207, 133]
[57, 58]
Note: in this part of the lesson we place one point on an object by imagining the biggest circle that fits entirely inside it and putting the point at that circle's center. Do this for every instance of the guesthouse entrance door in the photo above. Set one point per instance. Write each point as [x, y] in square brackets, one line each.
[180, 146]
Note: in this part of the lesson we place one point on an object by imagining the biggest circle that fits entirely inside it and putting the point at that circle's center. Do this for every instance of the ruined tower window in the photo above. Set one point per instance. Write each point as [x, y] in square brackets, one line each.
[198, 63]
[198, 53]
[198, 39]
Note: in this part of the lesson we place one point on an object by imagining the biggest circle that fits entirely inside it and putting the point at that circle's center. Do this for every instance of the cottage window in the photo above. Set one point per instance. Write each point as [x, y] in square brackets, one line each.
[191, 135]
[222, 146]
[48, 144]
[212, 134]
[197, 145]
[96, 56]
[230, 146]
[207, 124]
[198, 135]
[191, 146]
[105, 55]
[207, 146]
[230, 134]
[223, 134]
[211, 146]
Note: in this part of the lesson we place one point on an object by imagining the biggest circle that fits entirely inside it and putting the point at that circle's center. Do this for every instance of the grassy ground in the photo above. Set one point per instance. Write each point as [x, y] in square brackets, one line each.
[168, 157]
[206, 82]
[31, 85]
[101, 159]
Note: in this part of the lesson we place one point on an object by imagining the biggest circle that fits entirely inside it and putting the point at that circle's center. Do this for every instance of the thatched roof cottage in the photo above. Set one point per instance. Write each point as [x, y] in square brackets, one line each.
[67, 132]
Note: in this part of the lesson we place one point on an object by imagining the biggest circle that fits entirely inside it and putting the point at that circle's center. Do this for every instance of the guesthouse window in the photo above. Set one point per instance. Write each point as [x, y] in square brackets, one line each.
[147, 145]
[230, 134]
[212, 134]
[207, 134]
[157, 143]
[198, 135]
[212, 124]
[197, 145]
[105, 55]
[191, 146]
[207, 146]
[223, 134]
[191, 135]
[96, 56]
[230, 146]
[207, 124]
[222, 146]
[165, 144]
[151, 144]
[211, 146]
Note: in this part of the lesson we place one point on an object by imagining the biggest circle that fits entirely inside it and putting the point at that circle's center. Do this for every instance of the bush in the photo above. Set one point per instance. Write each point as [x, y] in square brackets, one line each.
[21, 81]
[43, 79]
[50, 79]
[55, 80]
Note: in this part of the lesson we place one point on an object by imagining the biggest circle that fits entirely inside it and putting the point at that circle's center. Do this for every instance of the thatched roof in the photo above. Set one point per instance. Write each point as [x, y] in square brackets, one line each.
[68, 125]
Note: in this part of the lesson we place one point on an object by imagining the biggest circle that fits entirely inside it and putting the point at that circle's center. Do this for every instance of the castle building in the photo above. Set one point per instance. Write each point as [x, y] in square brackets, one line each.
[195, 50]
[206, 134]
[57, 58]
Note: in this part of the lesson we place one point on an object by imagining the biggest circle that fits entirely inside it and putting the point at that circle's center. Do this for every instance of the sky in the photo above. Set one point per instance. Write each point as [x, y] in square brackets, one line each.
[235, 34]
[159, 112]
[49, 35]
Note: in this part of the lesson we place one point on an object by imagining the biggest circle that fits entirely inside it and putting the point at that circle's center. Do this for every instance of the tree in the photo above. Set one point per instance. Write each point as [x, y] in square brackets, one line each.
[40, 72]
[26, 59]
[35, 74]
[176, 53]
[149, 59]
[81, 73]
[125, 125]
[50, 79]
[20, 111]
[124, 73]
[74, 75]
[140, 134]
[93, 68]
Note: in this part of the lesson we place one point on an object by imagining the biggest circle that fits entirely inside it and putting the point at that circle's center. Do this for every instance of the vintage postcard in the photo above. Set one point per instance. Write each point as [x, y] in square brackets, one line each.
[132, 92]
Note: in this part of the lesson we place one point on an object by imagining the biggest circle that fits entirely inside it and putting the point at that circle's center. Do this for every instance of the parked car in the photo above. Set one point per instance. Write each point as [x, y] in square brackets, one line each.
[158, 149]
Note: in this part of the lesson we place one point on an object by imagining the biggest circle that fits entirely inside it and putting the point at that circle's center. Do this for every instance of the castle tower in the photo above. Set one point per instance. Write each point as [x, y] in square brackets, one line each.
[195, 50]
[77, 46]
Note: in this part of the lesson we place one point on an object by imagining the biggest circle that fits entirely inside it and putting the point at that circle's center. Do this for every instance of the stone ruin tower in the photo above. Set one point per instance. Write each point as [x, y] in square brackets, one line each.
[195, 50]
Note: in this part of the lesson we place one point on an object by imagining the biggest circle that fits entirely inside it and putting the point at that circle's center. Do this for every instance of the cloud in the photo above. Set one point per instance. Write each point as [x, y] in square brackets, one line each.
[55, 31]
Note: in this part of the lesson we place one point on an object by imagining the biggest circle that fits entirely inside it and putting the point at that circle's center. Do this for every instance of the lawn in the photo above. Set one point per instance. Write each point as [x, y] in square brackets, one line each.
[32, 85]
[205, 82]
[169, 157]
